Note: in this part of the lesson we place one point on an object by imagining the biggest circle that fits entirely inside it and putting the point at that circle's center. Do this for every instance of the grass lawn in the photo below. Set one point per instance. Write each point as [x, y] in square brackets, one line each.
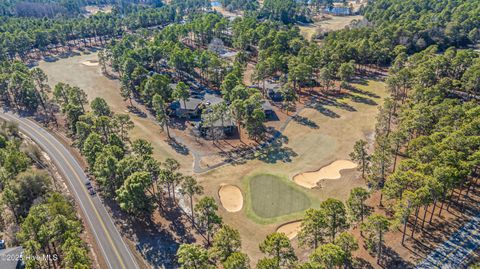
[272, 198]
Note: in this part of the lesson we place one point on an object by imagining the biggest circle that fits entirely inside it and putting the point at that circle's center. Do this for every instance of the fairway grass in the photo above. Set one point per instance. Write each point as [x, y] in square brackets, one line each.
[272, 199]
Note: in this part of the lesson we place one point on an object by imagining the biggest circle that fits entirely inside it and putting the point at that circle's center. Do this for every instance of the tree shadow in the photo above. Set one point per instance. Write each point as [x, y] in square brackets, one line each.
[361, 99]
[359, 263]
[177, 146]
[305, 121]
[135, 110]
[50, 59]
[391, 259]
[354, 89]
[360, 80]
[155, 243]
[275, 151]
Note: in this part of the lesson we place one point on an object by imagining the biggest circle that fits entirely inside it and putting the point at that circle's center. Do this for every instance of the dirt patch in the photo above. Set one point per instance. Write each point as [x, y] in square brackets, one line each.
[290, 229]
[231, 197]
[92, 10]
[90, 63]
[332, 171]
[331, 23]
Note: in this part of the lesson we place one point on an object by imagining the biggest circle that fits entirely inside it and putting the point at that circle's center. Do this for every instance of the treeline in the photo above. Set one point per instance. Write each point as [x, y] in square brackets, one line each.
[125, 170]
[19, 36]
[145, 70]
[34, 215]
[427, 142]
[234, 5]
[63, 8]
[40, 8]
[419, 24]
[26, 90]
[283, 53]
[323, 232]
[414, 25]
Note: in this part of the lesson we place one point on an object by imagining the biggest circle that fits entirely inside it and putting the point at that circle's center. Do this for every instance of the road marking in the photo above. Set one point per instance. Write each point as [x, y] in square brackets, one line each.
[89, 200]
[77, 177]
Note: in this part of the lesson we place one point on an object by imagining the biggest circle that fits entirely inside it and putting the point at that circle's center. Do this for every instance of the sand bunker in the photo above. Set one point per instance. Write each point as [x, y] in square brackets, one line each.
[231, 197]
[90, 63]
[290, 229]
[331, 171]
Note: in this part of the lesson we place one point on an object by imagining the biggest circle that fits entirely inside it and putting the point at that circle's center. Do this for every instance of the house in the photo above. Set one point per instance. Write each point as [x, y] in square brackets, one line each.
[217, 128]
[192, 107]
[338, 11]
[272, 89]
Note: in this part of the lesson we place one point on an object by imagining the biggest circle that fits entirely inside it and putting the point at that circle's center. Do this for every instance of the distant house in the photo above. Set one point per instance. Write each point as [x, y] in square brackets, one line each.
[339, 11]
[221, 50]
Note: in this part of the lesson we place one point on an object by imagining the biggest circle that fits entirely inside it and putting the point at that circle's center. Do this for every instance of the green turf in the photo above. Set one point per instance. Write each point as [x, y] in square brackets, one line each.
[272, 197]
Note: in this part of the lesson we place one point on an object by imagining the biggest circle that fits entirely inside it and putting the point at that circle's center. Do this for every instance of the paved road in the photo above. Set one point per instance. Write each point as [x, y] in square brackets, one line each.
[114, 250]
[457, 250]
[9, 258]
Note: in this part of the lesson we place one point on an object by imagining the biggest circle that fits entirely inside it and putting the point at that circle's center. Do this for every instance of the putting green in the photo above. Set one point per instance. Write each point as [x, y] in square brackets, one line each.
[271, 197]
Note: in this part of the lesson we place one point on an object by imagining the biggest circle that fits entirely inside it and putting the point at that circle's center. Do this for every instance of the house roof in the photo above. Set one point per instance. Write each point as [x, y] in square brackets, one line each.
[12, 263]
[227, 122]
[338, 10]
[266, 105]
[191, 103]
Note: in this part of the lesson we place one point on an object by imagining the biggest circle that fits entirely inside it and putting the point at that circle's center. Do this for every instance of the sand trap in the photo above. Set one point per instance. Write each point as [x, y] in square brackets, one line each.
[290, 229]
[90, 63]
[231, 197]
[331, 171]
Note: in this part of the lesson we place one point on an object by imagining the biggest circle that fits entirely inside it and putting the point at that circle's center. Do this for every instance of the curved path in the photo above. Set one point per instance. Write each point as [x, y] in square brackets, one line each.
[116, 253]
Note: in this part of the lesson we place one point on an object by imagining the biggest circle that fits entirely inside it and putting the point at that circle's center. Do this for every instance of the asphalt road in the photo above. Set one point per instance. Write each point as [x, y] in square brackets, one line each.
[114, 250]
[457, 250]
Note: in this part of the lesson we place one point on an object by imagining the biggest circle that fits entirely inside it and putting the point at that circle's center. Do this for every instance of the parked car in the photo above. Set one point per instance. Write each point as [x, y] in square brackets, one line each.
[91, 191]
[2, 244]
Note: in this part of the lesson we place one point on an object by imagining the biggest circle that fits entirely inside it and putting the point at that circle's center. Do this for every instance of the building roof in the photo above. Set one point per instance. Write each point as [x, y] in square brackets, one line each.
[339, 10]
[228, 121]
[266, 105]
[12, 263]
[191, 103]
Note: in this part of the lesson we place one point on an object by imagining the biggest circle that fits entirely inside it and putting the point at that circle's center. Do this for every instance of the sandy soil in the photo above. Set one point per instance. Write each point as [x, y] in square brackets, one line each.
[92, 10]
[290, 229]
[332, 23]
[332, 171]
[231, 197]
[226, 13]
[90, 63]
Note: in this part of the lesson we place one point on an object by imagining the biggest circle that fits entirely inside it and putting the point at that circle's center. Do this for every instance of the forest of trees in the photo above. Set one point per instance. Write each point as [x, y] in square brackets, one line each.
[20, 36]
[63, 8]
[34, 214]
[426, 146]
